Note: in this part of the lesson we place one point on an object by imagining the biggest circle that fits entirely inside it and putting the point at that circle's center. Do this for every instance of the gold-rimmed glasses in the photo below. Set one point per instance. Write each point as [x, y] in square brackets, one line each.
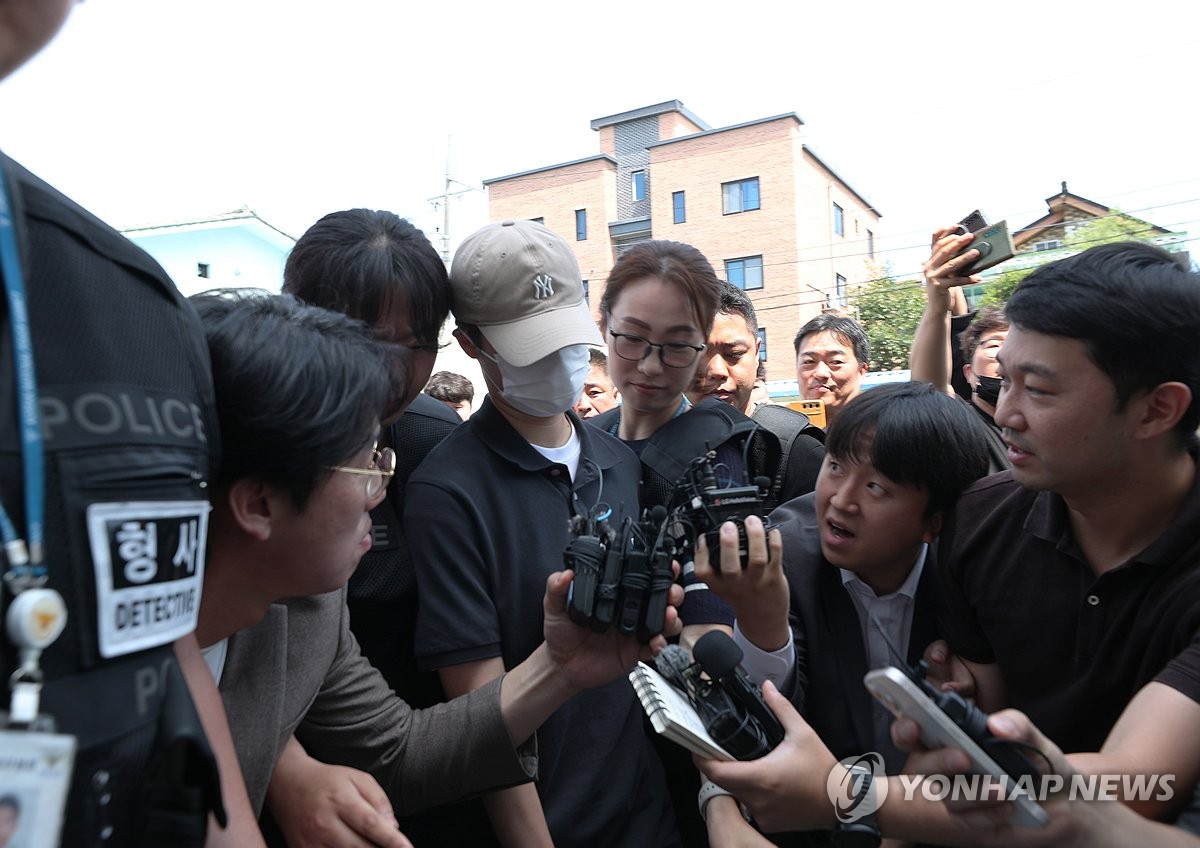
[382, 469]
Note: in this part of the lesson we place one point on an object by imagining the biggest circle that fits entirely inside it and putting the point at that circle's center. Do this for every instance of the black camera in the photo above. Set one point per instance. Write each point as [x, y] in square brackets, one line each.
[730, 705]
[622, 576]
[702, 503]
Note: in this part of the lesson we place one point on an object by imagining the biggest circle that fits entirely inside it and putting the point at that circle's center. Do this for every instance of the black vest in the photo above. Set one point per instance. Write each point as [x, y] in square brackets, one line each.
[129, 423]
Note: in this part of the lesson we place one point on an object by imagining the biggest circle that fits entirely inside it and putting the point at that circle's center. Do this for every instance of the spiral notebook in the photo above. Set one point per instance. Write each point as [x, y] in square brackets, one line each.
[672, 714]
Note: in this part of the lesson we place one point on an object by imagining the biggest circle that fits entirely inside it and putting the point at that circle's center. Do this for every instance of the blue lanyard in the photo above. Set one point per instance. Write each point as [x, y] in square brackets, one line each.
[25, 568]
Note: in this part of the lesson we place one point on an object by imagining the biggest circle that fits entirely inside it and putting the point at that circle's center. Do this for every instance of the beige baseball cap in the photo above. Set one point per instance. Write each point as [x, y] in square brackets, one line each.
[519, 282]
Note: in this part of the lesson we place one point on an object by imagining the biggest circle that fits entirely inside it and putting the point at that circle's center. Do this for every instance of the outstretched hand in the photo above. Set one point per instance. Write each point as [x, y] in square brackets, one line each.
[986, 821]
[587, 658]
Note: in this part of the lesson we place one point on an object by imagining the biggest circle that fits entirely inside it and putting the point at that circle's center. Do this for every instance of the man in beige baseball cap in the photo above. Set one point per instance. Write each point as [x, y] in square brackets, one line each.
[487, 517]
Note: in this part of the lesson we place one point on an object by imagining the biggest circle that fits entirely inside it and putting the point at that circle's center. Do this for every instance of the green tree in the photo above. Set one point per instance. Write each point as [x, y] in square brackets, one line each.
[889, 311]
[1116, 226]
[998, 291]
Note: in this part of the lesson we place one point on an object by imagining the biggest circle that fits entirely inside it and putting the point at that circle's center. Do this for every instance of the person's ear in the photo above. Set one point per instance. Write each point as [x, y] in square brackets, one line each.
[464, 342]
[933, 526]
[253, 504]
[968, 371]
[1161, 408]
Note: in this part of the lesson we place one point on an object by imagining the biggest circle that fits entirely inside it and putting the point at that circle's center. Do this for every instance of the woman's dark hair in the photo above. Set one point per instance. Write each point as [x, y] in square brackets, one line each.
[915, 435]
[672, 262]
[298, 388]
[363, 262]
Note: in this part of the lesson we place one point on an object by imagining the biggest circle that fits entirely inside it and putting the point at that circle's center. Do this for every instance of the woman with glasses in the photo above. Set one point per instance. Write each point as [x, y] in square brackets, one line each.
[658, 308]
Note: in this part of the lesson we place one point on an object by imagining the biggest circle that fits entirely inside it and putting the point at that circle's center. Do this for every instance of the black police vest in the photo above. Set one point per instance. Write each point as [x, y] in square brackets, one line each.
[129, 424]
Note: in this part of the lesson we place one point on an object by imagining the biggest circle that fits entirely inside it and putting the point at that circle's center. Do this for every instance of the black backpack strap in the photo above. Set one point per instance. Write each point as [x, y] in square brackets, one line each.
[788, 425]
[707, 426]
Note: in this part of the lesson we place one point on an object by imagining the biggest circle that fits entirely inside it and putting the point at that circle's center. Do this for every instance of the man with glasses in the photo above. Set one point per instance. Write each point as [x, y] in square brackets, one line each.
[301, 392]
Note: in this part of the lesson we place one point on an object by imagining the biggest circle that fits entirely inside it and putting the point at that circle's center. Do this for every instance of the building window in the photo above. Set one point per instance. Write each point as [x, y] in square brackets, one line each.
[677, 205]
[1051, 244]
[586, 298]
[762, 344]
[840, 288]
[202, 269]
[740, 196]
[580, 225]
[839, 220]
[870, 244]
[745, 273]
[639, 185]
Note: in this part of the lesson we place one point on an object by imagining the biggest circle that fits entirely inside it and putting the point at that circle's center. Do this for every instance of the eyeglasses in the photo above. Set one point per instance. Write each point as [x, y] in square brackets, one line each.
[383, 468]
[670, 354]
[427, 347]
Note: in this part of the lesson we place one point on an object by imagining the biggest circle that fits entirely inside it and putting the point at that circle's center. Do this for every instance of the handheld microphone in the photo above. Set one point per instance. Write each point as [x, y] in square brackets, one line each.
[720, 658]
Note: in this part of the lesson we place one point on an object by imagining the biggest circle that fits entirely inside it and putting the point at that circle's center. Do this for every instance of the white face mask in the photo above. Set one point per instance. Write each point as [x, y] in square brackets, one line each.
[547, 387]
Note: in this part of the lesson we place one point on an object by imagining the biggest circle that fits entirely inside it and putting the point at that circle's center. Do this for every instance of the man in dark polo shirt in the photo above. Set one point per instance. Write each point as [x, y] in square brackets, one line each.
[487, 520]
[1072, 583]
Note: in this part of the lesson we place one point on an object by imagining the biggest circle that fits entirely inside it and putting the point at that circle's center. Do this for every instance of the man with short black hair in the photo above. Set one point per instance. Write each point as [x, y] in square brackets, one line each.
[832, 352]
[857, 564]
[728, 371]
[1091, 535]
[599, 395]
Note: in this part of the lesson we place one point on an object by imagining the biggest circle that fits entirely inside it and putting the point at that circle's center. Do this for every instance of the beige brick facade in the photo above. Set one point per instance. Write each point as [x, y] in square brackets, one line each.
[792, 230]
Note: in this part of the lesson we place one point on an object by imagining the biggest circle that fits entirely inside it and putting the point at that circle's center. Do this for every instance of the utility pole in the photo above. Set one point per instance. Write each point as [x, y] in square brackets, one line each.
[444, 200]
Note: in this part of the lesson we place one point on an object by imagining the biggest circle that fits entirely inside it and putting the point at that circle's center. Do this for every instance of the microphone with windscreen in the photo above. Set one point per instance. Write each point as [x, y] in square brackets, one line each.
[728, 703]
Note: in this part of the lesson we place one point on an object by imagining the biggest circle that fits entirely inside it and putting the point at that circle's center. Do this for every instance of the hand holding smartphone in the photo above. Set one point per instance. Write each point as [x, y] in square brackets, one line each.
[992, 241]
[905, 699]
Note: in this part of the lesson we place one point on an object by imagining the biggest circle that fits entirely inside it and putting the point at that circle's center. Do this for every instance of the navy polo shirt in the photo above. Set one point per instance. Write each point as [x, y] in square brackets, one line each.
[486, 519]
[1073, 647]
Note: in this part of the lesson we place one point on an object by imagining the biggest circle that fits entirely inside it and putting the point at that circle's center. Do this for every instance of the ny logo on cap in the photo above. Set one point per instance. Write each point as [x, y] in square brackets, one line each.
[543, 286]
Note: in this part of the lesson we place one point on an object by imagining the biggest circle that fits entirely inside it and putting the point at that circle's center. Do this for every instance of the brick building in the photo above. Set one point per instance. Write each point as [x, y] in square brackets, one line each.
[770, 216]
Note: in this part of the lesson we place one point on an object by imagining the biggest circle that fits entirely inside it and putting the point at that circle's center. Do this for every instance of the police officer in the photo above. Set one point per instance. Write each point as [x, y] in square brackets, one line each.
[106, 433]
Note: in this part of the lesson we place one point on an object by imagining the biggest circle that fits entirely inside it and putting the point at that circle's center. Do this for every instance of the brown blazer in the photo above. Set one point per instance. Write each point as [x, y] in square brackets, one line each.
[300, 671]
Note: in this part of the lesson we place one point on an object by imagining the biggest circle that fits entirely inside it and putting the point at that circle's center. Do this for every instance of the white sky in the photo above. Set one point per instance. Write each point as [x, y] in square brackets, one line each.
[153, 110]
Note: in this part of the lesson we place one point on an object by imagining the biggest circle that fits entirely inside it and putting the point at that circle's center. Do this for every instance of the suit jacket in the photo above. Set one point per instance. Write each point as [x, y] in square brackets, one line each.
[830, 656]
[300, 670]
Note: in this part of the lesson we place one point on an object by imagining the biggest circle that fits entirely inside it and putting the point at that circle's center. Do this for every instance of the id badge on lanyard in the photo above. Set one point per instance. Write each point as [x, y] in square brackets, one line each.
[35, 762]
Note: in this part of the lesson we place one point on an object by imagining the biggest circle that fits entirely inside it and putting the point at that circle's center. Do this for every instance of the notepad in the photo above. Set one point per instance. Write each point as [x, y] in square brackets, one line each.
[672, 714]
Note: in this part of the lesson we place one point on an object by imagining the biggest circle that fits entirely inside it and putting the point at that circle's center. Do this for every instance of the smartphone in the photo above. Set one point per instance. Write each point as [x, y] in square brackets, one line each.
[893, 688]
[991, 240]
[973, 222]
